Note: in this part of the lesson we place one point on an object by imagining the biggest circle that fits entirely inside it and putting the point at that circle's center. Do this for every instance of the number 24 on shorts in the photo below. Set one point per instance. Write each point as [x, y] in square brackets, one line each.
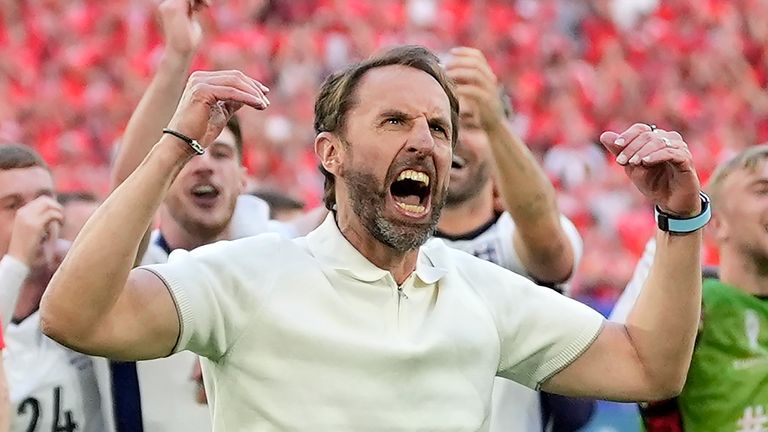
[62, 421]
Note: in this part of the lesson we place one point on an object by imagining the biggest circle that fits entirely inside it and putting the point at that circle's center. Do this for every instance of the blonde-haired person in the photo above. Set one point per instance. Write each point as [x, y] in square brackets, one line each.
[727, 384]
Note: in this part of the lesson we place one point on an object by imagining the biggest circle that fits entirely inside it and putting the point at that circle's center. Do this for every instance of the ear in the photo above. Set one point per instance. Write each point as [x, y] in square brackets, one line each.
[717, 230]
[329, 150]
[243, 179]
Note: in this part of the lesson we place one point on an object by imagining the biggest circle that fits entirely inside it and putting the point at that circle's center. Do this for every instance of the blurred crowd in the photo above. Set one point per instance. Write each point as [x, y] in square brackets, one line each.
[72, 72]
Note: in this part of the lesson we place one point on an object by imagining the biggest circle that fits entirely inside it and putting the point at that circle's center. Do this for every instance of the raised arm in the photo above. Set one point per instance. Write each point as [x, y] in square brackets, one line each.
[539, 239]
[95, 303]
[182, 36]
[648, 357]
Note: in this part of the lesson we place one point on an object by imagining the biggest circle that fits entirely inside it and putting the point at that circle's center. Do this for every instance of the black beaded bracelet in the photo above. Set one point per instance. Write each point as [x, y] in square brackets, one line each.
[191, 142]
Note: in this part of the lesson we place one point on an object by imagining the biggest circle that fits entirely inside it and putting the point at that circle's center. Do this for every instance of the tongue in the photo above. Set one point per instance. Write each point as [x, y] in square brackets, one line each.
[409, 199]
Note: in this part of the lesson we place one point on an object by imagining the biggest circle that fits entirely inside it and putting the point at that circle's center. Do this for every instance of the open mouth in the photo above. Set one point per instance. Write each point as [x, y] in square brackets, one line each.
[458, 162]
[205, 193]
[411, 192]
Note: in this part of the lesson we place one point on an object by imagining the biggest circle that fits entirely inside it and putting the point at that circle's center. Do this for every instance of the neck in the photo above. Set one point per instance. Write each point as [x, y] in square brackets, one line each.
[399, 264]
[31, 292]
[748, 275]
[180, 238]
[469, 215]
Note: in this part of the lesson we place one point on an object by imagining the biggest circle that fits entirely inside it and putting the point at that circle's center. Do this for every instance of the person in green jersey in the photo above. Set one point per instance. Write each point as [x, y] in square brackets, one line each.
[727, 385]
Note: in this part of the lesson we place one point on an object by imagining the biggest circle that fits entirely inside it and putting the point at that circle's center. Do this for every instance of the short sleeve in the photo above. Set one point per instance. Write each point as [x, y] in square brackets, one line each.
[540, 331]
[631, 292]
[216, 289]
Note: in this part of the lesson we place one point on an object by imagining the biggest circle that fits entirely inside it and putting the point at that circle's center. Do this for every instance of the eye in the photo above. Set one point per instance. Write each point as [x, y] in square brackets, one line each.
[439, 129]
[394, 121]
[221, 153]
[13, 205]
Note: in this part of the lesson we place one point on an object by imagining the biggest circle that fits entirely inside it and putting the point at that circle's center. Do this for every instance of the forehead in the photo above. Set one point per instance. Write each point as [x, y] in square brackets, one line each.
[226, 137]
[80, 206]
[401, 87]
[744, 176]
[25, 181]
[467, 107]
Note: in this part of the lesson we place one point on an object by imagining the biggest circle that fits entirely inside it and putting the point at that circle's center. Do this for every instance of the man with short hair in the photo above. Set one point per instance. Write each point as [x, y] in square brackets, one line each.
[363, 324]
[727, 384]
[532, 238]
[51, 387]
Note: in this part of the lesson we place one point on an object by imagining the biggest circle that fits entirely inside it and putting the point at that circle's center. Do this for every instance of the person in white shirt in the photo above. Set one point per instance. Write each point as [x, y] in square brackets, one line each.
[532, 238]
[51, 387]
[205, 204]
[361, 325]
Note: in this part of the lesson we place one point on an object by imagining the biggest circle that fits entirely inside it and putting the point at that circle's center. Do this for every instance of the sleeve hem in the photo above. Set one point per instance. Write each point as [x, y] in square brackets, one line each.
[13, 274]
[16, 269]
[567, 356]
[183, 306]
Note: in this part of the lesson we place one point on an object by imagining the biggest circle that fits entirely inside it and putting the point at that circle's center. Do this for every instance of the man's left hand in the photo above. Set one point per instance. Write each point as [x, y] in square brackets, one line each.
[660, 165]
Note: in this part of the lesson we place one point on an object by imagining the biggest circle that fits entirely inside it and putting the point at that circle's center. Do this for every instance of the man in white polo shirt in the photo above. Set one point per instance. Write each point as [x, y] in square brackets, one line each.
[361, 325]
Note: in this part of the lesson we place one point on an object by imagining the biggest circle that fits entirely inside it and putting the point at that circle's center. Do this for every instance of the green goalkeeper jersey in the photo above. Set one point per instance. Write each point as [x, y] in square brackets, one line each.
[727, 385]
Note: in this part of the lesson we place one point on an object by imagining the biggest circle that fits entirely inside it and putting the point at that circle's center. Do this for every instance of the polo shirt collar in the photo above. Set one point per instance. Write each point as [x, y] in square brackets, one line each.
[332, 249]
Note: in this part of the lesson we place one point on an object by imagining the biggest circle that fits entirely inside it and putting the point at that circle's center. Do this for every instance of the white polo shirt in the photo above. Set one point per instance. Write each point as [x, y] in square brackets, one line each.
[515, 407]
[307, 334]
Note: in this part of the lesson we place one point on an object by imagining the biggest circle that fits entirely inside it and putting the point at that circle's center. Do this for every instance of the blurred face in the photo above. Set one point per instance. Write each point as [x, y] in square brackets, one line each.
[18, 187]
[202, 198]
[396, 158]
[470, 168]
[741, 215]
[76, 213]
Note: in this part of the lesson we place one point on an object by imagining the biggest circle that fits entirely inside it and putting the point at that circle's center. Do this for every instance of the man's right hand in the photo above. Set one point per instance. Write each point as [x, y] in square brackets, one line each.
[211, 98]
[38, 220]
[181, 29]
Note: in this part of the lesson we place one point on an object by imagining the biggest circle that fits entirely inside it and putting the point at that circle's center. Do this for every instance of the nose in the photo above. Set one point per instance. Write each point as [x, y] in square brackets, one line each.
[201, 163]
[421, 140]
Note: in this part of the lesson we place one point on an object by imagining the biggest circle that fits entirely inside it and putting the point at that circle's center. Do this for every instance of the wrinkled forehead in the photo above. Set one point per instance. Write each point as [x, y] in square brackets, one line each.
[401, 87]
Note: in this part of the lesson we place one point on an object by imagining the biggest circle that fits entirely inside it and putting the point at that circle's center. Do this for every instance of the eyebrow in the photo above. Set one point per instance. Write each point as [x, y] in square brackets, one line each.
[394, 113]
[442, 122]
[17, 196]
[225, 145]
[12, 196]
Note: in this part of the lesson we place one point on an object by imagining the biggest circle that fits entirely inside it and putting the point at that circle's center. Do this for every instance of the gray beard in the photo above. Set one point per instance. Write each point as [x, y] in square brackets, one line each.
[368, 204]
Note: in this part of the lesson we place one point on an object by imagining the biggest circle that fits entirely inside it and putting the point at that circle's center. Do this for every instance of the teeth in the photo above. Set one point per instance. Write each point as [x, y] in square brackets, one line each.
[416, 209]
[415, 176]
[204, 189]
